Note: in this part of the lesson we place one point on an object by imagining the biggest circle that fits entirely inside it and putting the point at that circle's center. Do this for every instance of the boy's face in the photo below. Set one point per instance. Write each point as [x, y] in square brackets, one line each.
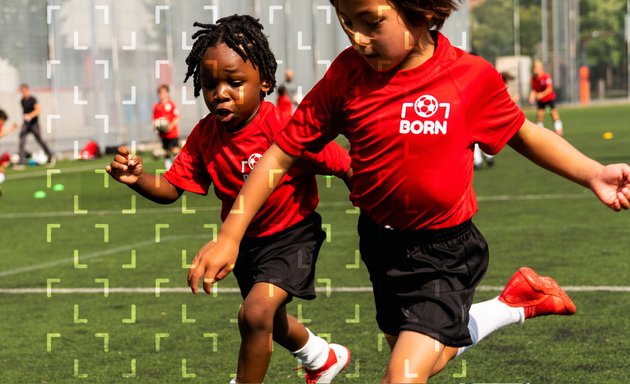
[163, 94]
[231, 87]
[538, 69]
[379, 33]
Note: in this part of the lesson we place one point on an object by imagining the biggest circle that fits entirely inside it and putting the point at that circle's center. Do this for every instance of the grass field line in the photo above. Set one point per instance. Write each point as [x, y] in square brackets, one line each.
[29, 175]
[161, 210]
[96, 254]
[365, 289]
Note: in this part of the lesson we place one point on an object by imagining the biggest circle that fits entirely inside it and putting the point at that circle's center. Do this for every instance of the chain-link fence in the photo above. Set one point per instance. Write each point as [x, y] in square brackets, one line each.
[94, 65]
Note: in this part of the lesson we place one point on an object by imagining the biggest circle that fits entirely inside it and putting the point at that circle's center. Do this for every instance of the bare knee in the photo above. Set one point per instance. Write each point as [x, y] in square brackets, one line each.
[255, 317]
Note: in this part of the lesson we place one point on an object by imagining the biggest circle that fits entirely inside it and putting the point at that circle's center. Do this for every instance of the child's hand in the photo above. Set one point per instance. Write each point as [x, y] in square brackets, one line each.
[125, 168]
[612, 186]
[213, 262]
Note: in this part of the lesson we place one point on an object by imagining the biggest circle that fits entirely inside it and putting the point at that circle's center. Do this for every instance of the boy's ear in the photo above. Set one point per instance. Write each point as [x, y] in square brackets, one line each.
[265, 86]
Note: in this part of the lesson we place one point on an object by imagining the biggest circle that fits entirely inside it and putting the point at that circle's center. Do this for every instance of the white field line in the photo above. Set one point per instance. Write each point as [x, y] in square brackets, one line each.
[177, 208]
[484, 288]
[96, 254]
[42, 173]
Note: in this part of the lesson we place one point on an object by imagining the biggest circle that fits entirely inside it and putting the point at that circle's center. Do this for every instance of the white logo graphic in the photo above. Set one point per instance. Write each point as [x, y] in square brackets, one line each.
[253, 160]
[425, 107]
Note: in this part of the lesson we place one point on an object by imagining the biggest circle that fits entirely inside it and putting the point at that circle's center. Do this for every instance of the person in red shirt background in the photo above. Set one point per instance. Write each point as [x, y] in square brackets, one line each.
[413, 107]
[232, 65]
[5, 158]
[544, 96]
[284, 103]
[165, 123]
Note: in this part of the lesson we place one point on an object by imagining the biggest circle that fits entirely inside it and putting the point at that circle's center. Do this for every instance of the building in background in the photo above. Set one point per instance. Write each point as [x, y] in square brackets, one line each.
[95, 64]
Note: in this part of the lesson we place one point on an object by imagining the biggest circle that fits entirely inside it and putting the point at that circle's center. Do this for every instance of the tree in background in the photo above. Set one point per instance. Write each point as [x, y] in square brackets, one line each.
[603, 46]
[492, 28]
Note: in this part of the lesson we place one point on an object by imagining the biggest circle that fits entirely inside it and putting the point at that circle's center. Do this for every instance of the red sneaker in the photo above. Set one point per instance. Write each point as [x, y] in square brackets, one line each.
[338, 359]
[538, 295]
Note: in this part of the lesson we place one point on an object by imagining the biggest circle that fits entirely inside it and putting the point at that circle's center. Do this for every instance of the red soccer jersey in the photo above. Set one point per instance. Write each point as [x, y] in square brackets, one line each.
[540, 83]
[215, 156]
[411, 132]
[168, 111]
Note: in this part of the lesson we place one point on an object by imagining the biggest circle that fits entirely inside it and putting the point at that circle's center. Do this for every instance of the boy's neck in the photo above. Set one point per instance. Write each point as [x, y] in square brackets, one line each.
[424, 50]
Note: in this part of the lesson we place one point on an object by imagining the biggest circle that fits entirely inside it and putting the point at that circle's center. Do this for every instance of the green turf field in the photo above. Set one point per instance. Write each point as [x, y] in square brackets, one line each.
[92, 234]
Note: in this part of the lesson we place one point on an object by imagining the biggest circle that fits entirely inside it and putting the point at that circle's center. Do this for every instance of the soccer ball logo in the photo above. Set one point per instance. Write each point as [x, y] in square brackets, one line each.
[426, 106]
[253, 160]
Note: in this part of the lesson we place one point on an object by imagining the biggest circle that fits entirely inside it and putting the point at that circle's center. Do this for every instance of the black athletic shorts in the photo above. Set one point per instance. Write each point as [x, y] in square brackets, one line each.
[285, 259]
[544, 104]
[425, 280]
[168, 144]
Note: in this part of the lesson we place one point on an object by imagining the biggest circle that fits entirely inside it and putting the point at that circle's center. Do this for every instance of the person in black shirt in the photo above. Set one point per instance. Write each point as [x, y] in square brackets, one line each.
[31, 124]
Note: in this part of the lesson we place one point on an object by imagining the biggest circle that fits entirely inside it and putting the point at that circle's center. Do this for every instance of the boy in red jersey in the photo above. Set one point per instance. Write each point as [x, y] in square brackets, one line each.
[232, 65]
[412, 107]
[165, 123]
[284, 101]
[544, 96]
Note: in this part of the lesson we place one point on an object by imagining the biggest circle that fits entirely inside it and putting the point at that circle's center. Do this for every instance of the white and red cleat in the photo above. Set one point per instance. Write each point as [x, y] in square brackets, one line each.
[338, 359]
[538, 295]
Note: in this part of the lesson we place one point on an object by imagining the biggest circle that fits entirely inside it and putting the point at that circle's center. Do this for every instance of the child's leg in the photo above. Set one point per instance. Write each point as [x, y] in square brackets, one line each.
[288, 332]
[477, 157]
[526, 295]
[413, 358]
[255, 322]
[540, 117]
[321, 361]
[557, 123]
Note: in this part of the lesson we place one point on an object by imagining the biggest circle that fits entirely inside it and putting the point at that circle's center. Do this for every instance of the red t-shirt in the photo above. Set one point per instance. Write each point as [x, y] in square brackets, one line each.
[540, 83]
[169, 112]
[411, 132]
[215, 156]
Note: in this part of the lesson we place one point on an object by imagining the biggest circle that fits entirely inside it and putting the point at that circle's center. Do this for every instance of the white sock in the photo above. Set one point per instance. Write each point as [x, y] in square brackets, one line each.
[2, 177]
[488, 316]
[477, 157]
[540, 124]
[314, 353]
[167, 163]
[557, 125]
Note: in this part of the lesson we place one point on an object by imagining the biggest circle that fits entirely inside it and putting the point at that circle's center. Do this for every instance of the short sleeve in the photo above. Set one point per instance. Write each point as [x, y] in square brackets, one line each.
[331, 160]
[312, 126]
[493, 117]
[188, 171]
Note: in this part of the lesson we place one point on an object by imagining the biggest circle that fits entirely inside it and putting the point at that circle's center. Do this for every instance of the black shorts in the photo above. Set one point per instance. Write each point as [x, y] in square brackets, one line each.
[285, 259]
[168, 144]
[424, 281]
[544, 104]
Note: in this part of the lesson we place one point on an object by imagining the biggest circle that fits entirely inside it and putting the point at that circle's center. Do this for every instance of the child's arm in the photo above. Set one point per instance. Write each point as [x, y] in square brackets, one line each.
[543, 94]
[611, 183]
[532, 96]
[216, 259]
[4, 132]
[128, 169]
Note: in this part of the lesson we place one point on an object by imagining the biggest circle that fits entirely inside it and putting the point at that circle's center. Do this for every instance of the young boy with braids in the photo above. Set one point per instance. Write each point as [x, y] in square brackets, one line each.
[412, 107]
[233, 67]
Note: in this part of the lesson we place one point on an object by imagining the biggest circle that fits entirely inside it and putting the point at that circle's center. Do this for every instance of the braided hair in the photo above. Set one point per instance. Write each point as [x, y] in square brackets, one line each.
[243, 34]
